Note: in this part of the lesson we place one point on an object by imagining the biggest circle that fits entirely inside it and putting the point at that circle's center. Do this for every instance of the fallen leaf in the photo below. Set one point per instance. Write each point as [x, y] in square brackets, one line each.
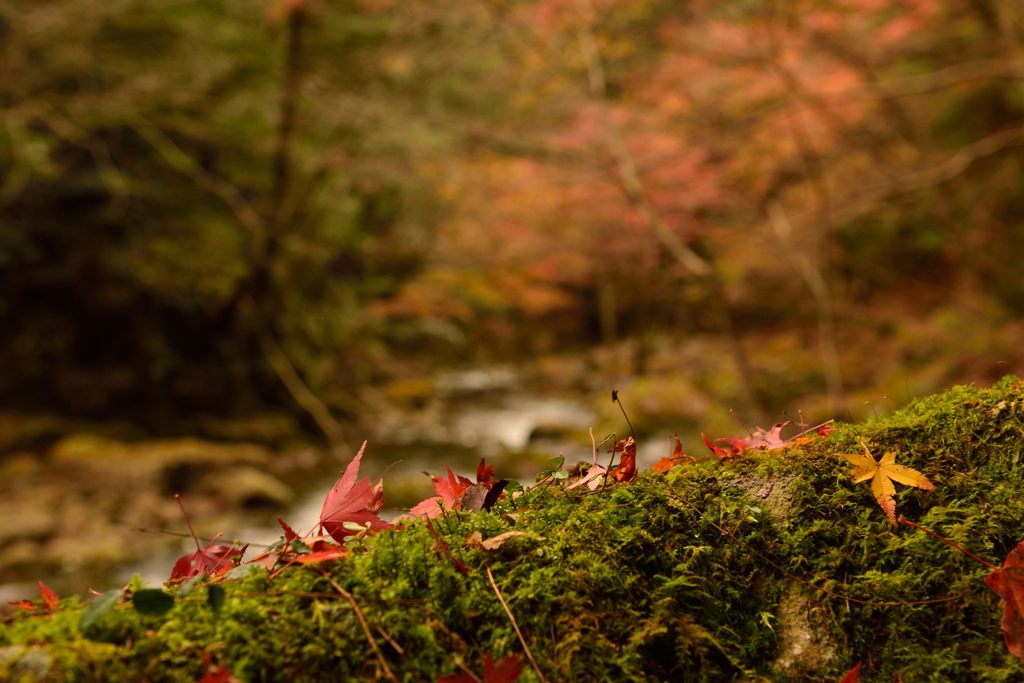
[212, 560]
[476, 539]
[882, 475]
[677, 457]
[50, 600]
[1008, 582]
[626, 469]
[152, 602]
[473, 498]
[853, 675]
[717, 450]
[763, 440]
[49, 597]
[213, 673]
[459, 493]
[350, 500]
[485, 473]
[97, 608]
[449, 491]
[592, 479]
[334, 552]
[289, 533]
[506, 670]
[482, 495]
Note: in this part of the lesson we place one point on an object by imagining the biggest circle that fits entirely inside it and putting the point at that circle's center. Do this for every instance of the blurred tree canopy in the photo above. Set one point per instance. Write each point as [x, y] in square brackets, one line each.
[191, 190]
[845, 169]
[219, 206]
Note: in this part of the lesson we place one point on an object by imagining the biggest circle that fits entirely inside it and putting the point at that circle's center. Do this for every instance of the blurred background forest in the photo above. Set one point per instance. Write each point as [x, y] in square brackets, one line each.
[278, 223]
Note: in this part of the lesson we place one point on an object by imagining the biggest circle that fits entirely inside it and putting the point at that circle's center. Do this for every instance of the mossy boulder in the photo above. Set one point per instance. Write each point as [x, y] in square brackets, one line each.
[775, 567]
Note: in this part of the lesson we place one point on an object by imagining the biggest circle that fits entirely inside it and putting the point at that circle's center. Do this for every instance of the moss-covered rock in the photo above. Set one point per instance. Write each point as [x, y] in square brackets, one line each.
[775, 567]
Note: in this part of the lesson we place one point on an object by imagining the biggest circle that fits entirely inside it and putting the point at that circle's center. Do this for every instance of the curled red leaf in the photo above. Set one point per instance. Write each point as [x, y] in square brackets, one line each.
[1008, 582]
[626, 469]
[213, 560]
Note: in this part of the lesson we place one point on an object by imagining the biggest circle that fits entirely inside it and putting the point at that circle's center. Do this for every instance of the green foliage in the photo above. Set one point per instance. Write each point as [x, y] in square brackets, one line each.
[152, 602]
[705, 573]
[97, 608]
[160, 217]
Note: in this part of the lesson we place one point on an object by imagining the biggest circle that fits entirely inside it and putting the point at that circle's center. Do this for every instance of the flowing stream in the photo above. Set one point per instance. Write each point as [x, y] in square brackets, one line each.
[474, 414]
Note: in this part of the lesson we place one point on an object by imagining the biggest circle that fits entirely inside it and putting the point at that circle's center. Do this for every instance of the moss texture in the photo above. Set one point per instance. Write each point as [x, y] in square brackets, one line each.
[775, 567]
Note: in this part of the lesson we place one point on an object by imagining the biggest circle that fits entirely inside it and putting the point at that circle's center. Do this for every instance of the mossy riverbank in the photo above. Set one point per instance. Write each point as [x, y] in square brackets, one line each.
[774, 567]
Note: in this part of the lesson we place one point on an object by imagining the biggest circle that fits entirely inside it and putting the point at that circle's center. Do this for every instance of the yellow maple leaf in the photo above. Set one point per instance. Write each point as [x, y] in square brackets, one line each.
[882, 474]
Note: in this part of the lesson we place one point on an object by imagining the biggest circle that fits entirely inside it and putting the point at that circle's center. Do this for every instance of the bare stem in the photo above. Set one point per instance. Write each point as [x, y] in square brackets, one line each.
[615, 397]
[362, 622]
[519, 633]
[951, 544]
[177, 497]
[593, 443]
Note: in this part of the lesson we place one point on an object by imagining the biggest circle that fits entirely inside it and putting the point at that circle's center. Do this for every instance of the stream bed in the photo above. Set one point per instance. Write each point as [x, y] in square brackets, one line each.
[89, 511]
[470, 415]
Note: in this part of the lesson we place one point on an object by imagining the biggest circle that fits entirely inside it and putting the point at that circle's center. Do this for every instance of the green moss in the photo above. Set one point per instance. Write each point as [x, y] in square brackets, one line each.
[775, 567]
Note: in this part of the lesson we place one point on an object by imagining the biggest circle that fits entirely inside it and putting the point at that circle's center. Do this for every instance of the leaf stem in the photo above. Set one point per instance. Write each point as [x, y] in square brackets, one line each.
[177, 497]
[951, 544]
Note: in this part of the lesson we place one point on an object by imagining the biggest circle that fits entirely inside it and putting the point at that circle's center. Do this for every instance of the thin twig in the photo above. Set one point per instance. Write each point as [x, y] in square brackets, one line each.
[631, 184]
[593, 443]
[469, 672]
[362, 621]
[182, 162]
[300, 391]
[615, 397]
[391, 641]
[951, 544]
[511, 618]
[812, 429]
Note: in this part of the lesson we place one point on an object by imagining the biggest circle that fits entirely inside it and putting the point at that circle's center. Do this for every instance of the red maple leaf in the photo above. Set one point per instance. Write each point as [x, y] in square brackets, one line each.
[213, 559]
[213, 673]
[289, 533]
[450, 491]
[506, 670]
[761, 439]
[50, 600]
[853, 675]
[1008, 581]
[485, 474]
[353, 502]
[49, 597]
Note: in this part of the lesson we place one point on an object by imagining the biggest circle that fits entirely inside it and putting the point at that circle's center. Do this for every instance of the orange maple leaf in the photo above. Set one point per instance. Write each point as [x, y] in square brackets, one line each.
[882, 474]
[677, 457]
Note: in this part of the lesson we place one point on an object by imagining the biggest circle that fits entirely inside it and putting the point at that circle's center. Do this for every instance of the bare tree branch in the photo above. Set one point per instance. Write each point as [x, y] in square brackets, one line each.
[632, 187]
